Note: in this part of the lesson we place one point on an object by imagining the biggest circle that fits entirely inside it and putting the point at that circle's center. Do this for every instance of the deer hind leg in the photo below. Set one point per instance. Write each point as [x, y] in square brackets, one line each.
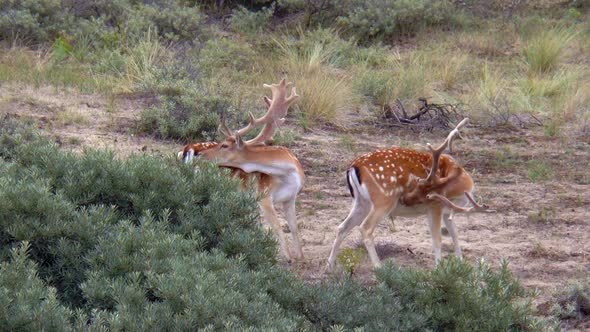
[368, 227]
[357, 214]
[290, 215]
[452, 228]
[434, 221]
[270, 215]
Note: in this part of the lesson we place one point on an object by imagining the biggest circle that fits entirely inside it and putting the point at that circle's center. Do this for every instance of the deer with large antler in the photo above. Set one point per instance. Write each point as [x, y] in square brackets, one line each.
[277, 171]
[405, 182]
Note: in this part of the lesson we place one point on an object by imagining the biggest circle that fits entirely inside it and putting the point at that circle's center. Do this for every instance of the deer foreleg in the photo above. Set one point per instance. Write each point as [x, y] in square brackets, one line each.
[434, 221]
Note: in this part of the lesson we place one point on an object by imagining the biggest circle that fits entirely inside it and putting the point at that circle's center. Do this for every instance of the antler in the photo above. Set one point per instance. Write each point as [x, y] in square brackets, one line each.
[475, 208]
[272, 119]
[438, 151]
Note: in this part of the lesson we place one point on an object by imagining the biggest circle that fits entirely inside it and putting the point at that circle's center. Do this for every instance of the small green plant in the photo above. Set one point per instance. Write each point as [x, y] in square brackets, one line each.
[351, 258]
[378, 87]
[572, 14]
[469, 291]
[68, 117]
[544, 215]
[551, 129]
[286, 137]
[143, 63]
[61, 49]
[506, 158]
[539, 250]
[347, 142]
[539, 170]
[74, 140]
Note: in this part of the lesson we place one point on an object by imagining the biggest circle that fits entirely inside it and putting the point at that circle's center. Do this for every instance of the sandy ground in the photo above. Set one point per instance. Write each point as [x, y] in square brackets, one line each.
[541, 226]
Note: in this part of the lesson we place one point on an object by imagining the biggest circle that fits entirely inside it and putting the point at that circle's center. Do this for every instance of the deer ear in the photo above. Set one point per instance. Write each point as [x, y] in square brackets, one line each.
[240, 142]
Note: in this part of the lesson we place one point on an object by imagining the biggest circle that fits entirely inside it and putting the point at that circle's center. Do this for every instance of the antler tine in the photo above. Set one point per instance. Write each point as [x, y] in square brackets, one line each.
[277, 110]
[223, 128]
[251, 124]
[448, 203]
[294, 96]
[438, 151]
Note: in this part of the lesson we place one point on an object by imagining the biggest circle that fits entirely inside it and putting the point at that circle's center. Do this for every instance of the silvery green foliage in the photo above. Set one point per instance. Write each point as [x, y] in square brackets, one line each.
[251, 22]
[26, 302]
[389, 19]
[34, 21]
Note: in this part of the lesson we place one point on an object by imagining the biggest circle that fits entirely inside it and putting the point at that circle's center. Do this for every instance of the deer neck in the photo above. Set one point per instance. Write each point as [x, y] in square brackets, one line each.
[268, 160]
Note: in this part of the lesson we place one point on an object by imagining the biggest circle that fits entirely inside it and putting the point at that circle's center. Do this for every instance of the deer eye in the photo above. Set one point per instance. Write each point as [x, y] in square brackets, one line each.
[224, 146]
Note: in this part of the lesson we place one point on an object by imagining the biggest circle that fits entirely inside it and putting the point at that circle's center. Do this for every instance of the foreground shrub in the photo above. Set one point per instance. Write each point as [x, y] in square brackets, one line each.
[457, 296]
[26, 303]
[145, 278]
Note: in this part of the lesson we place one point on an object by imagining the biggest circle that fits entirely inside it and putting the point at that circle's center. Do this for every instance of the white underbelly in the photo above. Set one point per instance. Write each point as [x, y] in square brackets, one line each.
[288, 188]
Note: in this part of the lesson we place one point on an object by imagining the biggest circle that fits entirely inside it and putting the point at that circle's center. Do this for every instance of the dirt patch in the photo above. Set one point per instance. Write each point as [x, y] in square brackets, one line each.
[540, 186]
[77, 121]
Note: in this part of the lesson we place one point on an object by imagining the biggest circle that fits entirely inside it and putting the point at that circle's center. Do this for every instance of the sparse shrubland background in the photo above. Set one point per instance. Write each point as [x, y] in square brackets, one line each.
[89, 241]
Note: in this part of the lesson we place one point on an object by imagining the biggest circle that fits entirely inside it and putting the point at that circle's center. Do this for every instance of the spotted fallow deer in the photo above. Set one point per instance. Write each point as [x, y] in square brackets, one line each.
[405, 182]
[277, 171]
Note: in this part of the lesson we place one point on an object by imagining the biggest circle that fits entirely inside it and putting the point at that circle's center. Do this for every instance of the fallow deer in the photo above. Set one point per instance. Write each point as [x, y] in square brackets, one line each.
[397, 182]
[278, 173]
[271, 123]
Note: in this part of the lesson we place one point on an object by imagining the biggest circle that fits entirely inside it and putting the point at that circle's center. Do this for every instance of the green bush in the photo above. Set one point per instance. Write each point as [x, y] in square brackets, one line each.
[226, 53]
[115, 20]
[377, 87]
[250, 23]
[457, 296]
[26, 303]
[32, 21]
[389, 19]
[171, 19]
[145, 278]
[188, 116]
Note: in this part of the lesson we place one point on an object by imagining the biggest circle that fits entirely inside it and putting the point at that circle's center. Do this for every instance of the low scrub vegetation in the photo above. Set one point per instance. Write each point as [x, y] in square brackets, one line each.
[92, 242]
[342, 55]
[573, 301]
